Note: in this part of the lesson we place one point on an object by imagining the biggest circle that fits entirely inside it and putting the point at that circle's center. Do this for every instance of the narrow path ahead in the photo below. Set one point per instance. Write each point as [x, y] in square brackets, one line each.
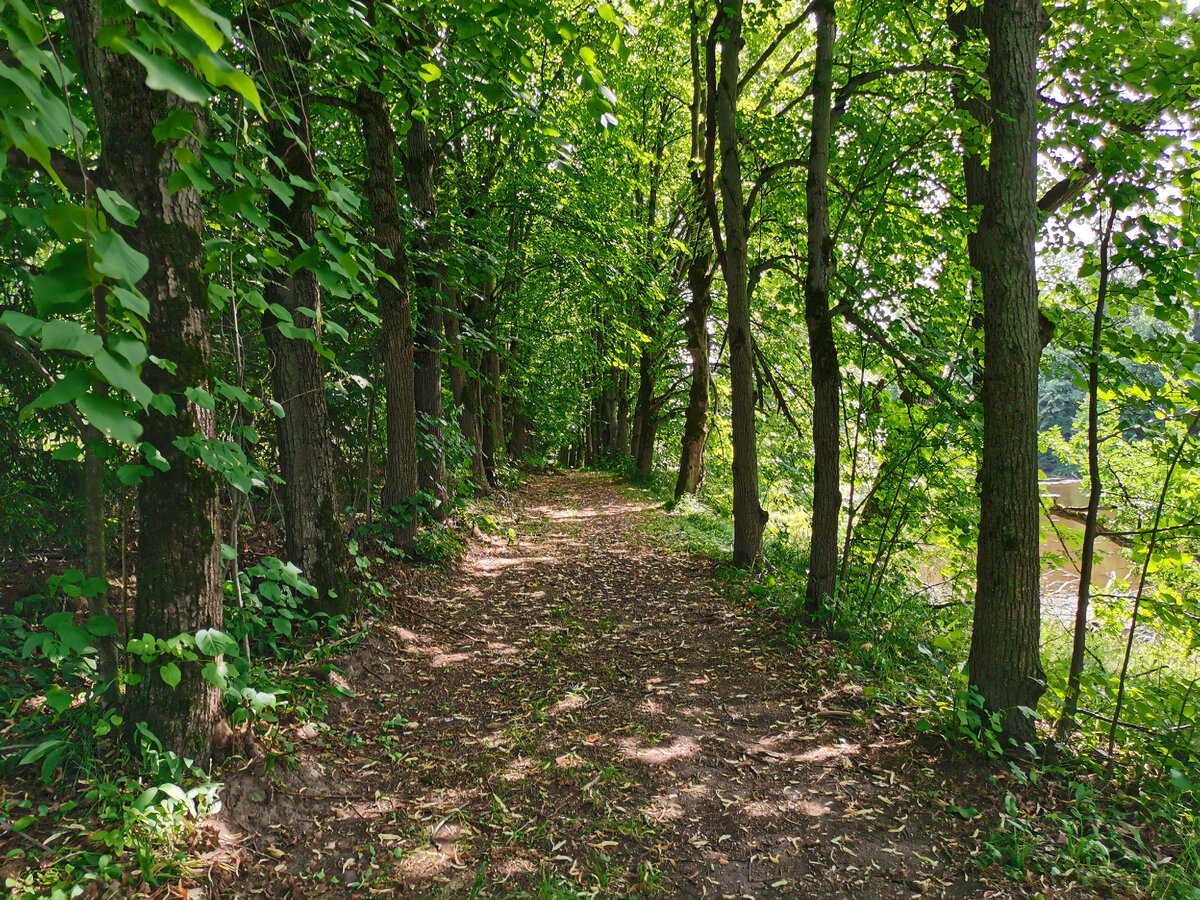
[575, 711]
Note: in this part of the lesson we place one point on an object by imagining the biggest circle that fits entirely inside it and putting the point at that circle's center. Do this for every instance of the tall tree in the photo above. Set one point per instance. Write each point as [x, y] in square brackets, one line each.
[420, 161]
[179, 584]
[400, 483]
[824, 372]
[699, 283]
[313, 537]
[1004, 662]
[749, 518]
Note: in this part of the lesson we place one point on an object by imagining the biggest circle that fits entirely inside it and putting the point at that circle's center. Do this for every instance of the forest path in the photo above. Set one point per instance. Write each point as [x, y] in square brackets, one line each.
[574, 710]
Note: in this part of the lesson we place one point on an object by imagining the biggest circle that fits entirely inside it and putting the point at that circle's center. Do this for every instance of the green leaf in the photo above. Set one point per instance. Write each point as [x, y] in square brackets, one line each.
[175, 792]
[21, 325]
[221, 74]
[108, 415]
[118, 207]
[68, 453]
[116, 259]
[213, 675]
[39, 751]
[133, 474]
[212, 642]
[68, 388]
[163, 74]
[64, 287]
[211, 28]
[200, 397]
[122, 376]
[429, 72]
[63, 334]
[142, 803]
[58, 699]
[170, 674]
[102, 626]
[132, 301]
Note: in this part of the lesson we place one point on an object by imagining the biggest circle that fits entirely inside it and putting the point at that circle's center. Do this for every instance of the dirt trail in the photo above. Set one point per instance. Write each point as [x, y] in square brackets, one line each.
[574, 711]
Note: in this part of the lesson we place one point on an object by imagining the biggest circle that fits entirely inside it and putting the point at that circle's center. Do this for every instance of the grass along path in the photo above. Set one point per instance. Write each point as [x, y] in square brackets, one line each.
[574, 710]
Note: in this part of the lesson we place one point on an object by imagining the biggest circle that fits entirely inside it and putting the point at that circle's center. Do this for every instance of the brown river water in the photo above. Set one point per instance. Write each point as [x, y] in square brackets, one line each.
[1061, 541]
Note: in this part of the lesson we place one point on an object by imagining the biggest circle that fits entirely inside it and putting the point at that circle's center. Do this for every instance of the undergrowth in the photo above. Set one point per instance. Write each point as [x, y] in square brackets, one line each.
[1129, 822]
[95, 813]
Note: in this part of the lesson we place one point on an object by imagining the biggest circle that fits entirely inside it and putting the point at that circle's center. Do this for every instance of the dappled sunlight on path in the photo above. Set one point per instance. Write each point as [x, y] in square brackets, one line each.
[576, 705]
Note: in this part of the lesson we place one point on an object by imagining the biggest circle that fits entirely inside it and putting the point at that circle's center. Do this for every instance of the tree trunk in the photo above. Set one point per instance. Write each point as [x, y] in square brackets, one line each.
[623, 413]
[465, 392]
[493, 414]
[518, 444]
[824, 370]
[749, 518]
[313, 538]
[695, 423]
[419, 161]
[647, 424]
[96, 562]
[395, 342]
[179, 571]
[1004, 662]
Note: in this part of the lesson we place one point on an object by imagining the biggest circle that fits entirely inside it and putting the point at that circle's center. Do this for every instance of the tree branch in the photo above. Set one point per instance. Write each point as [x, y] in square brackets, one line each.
[771, 48]
[846, 91]
[32, 358]
[765, 176]
[876, 335]
[79, 177]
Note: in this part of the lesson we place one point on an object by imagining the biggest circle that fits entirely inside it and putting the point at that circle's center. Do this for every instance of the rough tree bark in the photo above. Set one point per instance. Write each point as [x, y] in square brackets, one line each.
[749, 518]
[465, 391]
[695, 327]
[824, 372]
[395, 342]
[420, 160]
[313, 538]
[1004, 662]
[179, 573]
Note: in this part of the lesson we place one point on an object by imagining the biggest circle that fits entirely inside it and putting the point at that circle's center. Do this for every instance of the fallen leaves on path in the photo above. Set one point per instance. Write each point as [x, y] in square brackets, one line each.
[573, 711]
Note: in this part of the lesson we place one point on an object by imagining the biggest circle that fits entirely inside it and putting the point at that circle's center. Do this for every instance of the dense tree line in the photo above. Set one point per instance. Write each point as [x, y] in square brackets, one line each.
[302, 257]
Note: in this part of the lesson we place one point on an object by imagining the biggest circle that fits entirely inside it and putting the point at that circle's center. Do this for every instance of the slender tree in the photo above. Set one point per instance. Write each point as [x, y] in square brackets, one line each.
[749, 518]
[313, 537]
[824, 372]
[420, 161]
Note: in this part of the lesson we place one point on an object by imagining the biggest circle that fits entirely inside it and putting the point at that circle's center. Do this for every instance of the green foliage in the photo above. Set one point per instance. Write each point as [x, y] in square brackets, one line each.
[270, 613]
